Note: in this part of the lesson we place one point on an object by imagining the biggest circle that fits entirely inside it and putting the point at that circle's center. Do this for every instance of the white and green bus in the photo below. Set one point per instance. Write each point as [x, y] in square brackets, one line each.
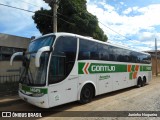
[59, 68]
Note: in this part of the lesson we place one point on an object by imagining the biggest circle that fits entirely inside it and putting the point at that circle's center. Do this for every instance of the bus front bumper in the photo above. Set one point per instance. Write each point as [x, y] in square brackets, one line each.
[41, 102]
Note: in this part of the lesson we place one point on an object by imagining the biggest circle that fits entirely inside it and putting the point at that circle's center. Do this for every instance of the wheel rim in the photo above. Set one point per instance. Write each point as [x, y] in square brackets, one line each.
[87, 93]
[139, 83]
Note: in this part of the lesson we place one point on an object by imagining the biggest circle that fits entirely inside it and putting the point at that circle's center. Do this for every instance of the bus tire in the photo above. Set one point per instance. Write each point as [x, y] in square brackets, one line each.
[144, 80]
[87, 94]
[139, 82]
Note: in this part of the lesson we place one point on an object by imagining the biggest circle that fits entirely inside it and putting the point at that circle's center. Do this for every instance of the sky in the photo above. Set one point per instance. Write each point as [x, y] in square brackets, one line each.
[134, 24]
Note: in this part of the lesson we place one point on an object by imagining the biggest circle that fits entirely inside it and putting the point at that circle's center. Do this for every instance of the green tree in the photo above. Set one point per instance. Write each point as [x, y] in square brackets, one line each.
[80, 20]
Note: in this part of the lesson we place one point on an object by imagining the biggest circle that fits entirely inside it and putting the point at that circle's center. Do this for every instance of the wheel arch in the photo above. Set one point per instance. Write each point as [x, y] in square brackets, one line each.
[139, 77]
[86, 83]
[144, 79]
[139, 81]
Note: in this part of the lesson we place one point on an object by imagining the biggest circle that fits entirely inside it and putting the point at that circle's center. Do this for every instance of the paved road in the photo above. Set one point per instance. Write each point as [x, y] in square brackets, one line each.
[131, 99]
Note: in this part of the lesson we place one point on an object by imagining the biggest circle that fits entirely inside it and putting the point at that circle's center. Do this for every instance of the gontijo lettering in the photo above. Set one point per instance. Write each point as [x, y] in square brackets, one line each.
[102, 68]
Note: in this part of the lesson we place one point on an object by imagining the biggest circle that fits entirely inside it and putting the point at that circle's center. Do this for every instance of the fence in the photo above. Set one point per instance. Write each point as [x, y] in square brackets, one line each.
[9, 84]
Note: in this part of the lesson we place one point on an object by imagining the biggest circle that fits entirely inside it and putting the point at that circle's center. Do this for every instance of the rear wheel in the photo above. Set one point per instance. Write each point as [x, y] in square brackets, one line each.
[139, 82]
[144, 80]
[86, 94]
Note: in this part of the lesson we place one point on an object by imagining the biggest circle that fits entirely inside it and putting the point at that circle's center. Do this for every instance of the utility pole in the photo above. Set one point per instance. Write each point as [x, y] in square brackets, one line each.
[156, 56]
[55, 15]
[55, 7]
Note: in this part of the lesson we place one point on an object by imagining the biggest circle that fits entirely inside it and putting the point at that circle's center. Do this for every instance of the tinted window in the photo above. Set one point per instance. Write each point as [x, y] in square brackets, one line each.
[103, 51]
[112, 53]
[62, 59]
[147, 59]
[134, 57]
[87, 50]
[142, 58]
[41, 42]
[97, 51]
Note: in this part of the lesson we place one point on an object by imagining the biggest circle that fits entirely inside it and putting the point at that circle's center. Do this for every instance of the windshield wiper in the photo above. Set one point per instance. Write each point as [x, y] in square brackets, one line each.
[29, 72]
[25, 74]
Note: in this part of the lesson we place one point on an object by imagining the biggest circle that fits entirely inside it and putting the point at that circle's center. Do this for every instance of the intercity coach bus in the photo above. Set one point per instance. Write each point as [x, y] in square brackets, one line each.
[60, 68]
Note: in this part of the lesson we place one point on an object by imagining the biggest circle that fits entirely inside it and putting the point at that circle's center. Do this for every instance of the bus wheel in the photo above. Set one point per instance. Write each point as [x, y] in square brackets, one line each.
[86, 94]
[139, 82]
[144, 80]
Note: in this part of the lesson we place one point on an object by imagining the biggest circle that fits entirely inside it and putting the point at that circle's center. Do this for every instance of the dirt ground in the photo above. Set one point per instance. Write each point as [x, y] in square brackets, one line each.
[146, 98]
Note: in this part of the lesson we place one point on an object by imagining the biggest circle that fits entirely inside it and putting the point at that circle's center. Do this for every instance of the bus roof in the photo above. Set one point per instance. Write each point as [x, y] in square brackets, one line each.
[89, 38]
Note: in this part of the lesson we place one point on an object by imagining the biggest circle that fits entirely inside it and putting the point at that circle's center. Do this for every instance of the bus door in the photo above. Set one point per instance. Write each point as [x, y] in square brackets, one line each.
[61, 78]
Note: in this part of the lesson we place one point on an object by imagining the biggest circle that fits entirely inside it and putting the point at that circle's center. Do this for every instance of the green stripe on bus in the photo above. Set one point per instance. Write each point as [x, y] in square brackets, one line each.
[141, 68]
[130, 75]
[146, 68]
[133, 68]
[34, 90]
[92, 68]
[84, 68]
[80, 67]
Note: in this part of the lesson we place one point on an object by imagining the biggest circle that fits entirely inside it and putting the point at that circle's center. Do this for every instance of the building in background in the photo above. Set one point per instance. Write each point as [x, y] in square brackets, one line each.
[153, 58]
[10, 44]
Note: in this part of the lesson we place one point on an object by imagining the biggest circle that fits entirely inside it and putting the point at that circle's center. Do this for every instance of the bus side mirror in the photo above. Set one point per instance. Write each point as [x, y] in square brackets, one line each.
[38, 55]
[13, 56]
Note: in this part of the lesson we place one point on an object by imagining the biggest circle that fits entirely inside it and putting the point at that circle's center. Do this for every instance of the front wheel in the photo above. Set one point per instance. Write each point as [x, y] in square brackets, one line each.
[86, 94]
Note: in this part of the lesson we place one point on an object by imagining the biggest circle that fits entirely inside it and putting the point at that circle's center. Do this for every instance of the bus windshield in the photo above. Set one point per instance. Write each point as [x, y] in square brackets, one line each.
[30, 74]
[41, 42]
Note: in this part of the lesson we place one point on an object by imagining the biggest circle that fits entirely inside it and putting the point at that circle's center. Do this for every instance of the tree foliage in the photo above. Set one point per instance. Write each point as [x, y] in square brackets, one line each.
[80, 21]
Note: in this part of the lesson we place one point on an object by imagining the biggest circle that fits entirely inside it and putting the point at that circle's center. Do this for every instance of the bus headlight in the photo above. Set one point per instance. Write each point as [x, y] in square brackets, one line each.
[37, 94]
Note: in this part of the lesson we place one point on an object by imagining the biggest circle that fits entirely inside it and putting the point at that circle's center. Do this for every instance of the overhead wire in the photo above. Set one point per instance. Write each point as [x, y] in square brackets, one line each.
[113, 30]
[64, 16]
[29, 3]
[66, 21]
[25, 10]
[37, 13]
[59, 17]
[103, 25]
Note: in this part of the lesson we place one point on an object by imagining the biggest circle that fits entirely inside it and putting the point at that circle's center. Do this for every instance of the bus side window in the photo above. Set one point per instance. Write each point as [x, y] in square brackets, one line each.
[103, 52]
[63, 59]
[111, 53]
[87, 50]
[84, 55]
